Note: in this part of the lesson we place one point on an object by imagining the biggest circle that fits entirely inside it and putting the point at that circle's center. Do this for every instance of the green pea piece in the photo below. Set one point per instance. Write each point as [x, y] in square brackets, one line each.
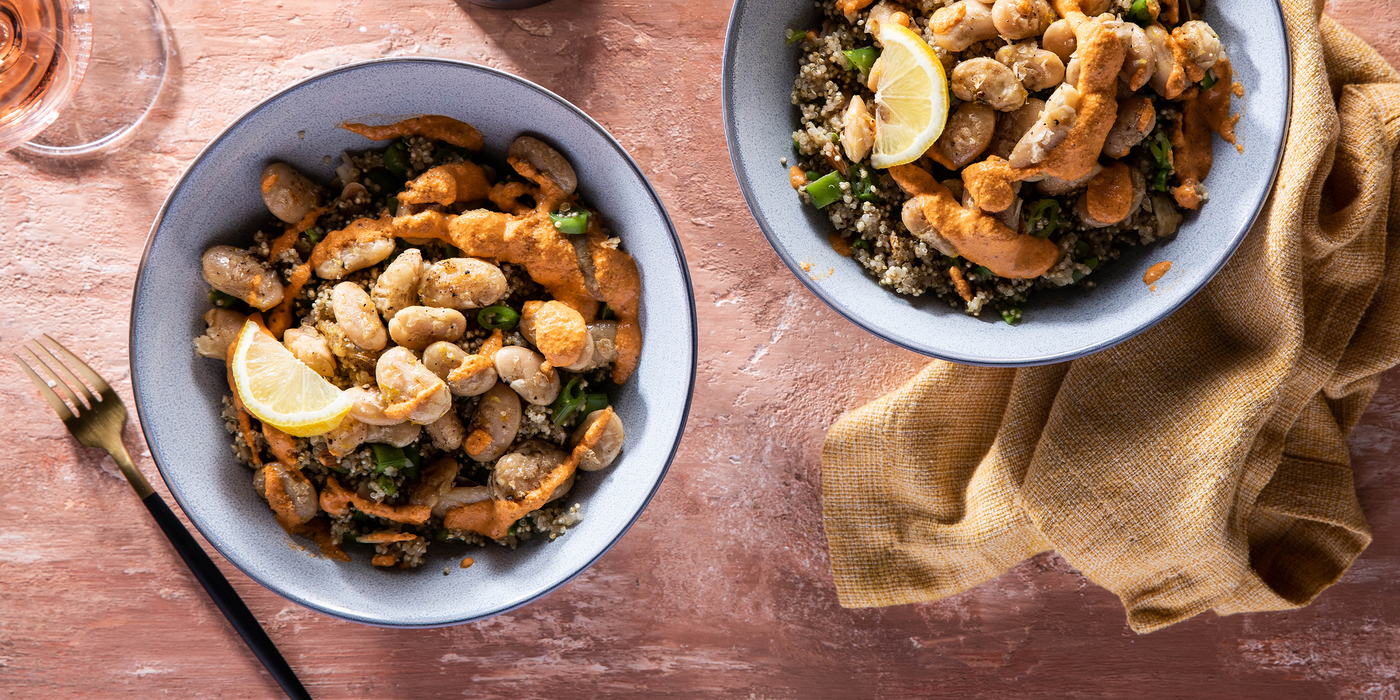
[498, 318]
[825, 189]
[1139, 14]
[396, 158]
[570, 224]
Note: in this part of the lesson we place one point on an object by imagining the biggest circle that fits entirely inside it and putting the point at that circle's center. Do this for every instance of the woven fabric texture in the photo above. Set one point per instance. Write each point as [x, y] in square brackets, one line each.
[1199, 466]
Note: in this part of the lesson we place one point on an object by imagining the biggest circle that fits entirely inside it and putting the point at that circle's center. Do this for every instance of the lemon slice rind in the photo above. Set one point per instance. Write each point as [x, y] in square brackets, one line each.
[280, 390]
[911, 104]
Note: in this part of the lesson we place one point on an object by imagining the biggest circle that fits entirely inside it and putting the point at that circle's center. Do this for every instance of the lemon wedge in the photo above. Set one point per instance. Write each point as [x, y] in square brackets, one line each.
[281, 390]
[911, 103]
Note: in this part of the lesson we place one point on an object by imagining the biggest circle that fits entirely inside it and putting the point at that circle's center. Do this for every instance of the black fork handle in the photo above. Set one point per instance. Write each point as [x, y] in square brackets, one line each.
[226, 598]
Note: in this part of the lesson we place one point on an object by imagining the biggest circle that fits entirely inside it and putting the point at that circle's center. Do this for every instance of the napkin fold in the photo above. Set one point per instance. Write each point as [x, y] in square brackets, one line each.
[1199, 466]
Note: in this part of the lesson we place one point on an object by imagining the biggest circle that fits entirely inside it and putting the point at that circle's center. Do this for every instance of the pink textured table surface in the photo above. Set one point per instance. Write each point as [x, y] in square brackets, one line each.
[723, 586]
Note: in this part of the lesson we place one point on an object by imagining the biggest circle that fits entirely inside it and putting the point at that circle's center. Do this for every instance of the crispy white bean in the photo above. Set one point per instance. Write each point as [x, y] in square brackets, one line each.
[237, 273]
[918, 224]
[460, 496]
[493, 424]
[1049, 130]
[410, 390]
[447, 432]
[398, 435]
[608, 446]
[397, 286]
[1018, 19]
[519, 472]
[1059, 39]
[523, 369]
[1011, 126]
[1201, 43]
[603, 336]
[857, 130]
[355, 314]
[368, 406]
[546, 160]
[465, 374]
[1136, 119]
[966, 135]
[1137, 52]
[987, 81]
[299, 491]
[962, 24]
[311, 348]
[435, 481]
[558, 331]
[223, 329]
[462, 283]
[1036, 68]
[1055, 186]
[288, 194]
[1168, 78]
[417, 327]
[344, 438]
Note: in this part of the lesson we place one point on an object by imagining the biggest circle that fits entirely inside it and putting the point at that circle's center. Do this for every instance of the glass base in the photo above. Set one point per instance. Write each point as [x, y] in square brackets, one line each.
[125, 75]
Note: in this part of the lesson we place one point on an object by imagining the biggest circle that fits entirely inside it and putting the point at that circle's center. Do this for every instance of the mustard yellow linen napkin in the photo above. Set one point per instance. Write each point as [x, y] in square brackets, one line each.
[1200, 466]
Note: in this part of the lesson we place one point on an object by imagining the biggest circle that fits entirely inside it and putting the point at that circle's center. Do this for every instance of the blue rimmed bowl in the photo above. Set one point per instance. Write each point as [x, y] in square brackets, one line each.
[178, 395]
[1059, 325]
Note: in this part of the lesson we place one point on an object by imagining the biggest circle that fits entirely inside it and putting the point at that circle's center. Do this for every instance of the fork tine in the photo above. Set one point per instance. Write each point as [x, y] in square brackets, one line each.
[45, 371]
[58, 406]
[93, 378]
[57, 366]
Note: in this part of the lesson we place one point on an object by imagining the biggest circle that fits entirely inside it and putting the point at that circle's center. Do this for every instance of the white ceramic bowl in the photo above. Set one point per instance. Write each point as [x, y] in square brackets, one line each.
[178, 395]
[1061, 324]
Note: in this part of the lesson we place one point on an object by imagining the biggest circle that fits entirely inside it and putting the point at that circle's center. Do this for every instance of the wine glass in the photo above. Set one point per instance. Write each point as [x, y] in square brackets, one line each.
[77, 78]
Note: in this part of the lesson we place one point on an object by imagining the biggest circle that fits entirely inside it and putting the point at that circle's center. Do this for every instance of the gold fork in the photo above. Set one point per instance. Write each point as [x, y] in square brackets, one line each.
[97, 421]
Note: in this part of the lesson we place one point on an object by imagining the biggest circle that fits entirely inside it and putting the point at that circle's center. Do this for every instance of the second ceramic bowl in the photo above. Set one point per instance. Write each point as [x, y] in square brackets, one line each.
[179, 395]
[1059, 325]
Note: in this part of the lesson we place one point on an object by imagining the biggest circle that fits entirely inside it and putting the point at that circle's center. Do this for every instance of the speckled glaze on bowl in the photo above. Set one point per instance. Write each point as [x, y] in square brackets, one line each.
[178, 394]
[1059, 325]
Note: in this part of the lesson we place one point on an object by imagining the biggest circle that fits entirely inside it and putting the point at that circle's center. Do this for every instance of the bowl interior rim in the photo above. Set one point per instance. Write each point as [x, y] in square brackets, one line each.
[678, 250]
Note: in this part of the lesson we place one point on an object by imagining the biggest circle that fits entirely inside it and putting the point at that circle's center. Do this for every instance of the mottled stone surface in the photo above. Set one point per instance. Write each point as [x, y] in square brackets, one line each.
[722, 588]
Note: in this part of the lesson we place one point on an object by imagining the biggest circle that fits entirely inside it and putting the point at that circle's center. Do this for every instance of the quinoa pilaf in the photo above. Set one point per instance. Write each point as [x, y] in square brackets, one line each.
[1069, 168]
[474, 318]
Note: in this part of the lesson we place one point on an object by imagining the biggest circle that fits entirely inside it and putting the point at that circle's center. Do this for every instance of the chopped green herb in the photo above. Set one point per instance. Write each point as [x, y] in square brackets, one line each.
[415, 461]
[1161, 149]
[795, 147]
[864, 187]
[225, 301]
[1011, 316]
[983, 271]
[795, 36]
[396, 158]
[1092, 263]
[314, 234]
[1139, 14]
[593, 402]
[441, 153]
[387, 485]
[514, 528]
[1080, 248]
[570, 400]
[442, 534]
[826, 189]
[1043, 218]
[572, 223]
[1208, 81]
[812, 175]
[498, 317]
[861, 243]
[386, 456]
[359, 517]
[863, 58]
